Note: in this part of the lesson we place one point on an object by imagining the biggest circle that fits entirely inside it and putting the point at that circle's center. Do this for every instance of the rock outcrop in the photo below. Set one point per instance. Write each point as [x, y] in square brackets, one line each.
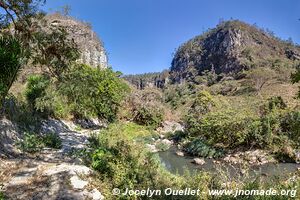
[90, 46]
[230, 48]
[9, 135]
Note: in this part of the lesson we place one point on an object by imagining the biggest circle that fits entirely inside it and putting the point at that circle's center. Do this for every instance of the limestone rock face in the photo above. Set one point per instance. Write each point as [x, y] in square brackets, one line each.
[90, 46]
[230, 48]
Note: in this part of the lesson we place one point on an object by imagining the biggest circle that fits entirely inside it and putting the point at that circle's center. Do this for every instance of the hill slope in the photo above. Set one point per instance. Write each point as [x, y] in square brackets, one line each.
[229, 48]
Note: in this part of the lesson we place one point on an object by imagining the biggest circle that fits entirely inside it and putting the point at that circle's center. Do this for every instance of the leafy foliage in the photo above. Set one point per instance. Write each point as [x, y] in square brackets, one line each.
[144, 107]
[36, 86]
[52, 140]
[10, 63]
[198, 148]
[85, 92]
[148, 115]
[93, 92]
[33, 142]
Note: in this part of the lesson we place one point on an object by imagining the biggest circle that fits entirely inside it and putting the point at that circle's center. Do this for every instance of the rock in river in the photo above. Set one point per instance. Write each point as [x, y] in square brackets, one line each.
[199, 161]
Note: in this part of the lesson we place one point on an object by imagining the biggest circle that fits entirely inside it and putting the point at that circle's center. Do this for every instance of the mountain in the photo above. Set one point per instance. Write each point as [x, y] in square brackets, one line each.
[91, 47]
[229, 49]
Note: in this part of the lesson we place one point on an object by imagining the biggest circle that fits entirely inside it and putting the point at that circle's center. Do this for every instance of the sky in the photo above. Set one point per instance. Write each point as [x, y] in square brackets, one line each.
[142, 35]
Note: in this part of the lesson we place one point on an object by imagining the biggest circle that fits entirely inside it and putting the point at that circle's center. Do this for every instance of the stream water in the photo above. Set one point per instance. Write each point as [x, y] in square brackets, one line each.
[178, 164]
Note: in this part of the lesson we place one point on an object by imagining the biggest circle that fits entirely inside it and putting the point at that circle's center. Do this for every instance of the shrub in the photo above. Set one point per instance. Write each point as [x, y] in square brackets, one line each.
[85, 92]
[53, 103]
[52, 140]
[36, 87]
[123, 165]
[2, 197]
[273, 104]
[161, 146]
[202, 104]
[290, 124]
[144, 107]
[177, 95]
[198, 148]
[93, 92]
[148, 115]
[259, 77]
[32, 142]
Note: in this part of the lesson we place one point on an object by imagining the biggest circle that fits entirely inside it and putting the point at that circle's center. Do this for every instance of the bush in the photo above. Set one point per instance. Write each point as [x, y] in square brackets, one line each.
[198, 148]
[124, 166]
[144, 107]
[36, 87]
[148, 115]
[2, 197]
[53, 103]
[85, 92]
[52, 140]
[32, 142]
[202, 105]
[290, 124]
[94, 92]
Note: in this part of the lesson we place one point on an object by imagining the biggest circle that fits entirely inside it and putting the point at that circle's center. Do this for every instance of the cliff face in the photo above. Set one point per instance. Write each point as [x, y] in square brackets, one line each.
[148, 80]
[229, 48]
[90, 46]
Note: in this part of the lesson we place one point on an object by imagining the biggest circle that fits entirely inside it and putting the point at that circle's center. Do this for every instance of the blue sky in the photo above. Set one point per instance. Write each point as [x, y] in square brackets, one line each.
[141, 35]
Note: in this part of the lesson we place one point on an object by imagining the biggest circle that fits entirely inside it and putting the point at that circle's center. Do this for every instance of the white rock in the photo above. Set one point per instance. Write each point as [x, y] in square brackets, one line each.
[166, 141]
[152, 148]
[179, 153]
[77, 183]
[198, 161]
[96, 195]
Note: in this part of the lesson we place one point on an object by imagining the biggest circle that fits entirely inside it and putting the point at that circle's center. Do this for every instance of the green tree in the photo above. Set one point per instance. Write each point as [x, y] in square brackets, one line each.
[41, 43]
[10, 64]
[93, 92]
[36, 87]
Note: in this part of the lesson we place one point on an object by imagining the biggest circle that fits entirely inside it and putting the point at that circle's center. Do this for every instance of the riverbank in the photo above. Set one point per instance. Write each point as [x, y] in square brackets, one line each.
[180, 164]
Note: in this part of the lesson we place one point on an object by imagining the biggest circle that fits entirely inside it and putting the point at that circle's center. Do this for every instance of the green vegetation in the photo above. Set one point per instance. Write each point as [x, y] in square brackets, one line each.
[145, 107]
[33, 143]
[219, 108]
[10, 56]
[198, 148]
[122, 162]
[36, 86]
[2, 197]
[84, 92]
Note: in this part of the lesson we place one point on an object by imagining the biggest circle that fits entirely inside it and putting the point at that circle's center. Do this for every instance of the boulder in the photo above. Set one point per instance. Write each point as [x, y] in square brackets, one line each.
[199, 161]
[179, 153]
[170, 127]
[167, 142]
[152, 148]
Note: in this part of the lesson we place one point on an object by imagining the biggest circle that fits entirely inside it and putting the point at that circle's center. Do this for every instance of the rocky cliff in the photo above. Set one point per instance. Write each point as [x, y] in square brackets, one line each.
[90, 46]
[148, 80]
[231, 47]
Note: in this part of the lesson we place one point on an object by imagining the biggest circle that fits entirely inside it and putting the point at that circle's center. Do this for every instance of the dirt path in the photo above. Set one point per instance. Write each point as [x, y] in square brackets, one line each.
[52, 174]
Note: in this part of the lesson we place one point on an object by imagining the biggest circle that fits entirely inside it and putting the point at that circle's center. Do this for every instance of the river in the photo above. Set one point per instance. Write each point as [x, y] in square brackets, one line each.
[178, 164]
